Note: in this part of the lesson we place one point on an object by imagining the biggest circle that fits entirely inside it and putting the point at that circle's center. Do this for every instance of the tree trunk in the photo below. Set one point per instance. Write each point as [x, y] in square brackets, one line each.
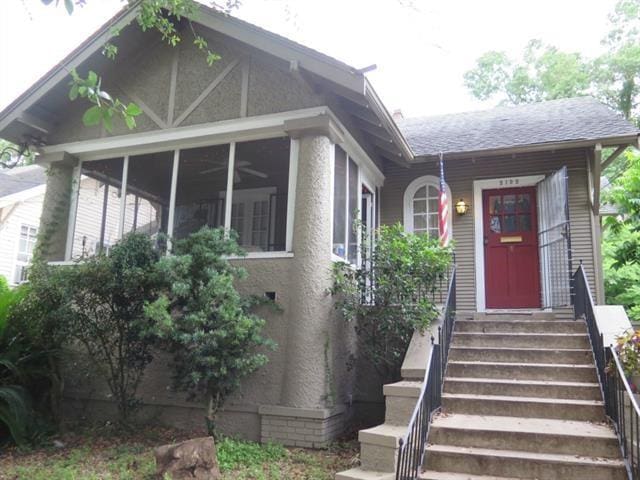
[211, 411]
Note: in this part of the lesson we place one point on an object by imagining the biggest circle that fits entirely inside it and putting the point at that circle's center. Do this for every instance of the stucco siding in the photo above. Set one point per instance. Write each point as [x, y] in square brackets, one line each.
[196, 93]
[460, 174]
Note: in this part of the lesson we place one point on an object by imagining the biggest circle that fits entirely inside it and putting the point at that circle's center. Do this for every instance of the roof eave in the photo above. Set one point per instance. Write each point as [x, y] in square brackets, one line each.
[387, 120]
[613, 141]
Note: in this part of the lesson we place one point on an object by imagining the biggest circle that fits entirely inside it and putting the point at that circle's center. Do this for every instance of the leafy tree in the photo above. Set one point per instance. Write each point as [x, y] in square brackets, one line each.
[104, 313]
[621, 238]
[391, 297]
[12, 155]
[546, 73]
[208, 325]
[543, 73]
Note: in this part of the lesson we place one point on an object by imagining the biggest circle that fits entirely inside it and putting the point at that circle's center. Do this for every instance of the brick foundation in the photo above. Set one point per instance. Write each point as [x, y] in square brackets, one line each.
[301, 427]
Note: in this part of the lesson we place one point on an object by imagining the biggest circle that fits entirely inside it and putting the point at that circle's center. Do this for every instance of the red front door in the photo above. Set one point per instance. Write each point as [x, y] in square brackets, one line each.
[512, 269]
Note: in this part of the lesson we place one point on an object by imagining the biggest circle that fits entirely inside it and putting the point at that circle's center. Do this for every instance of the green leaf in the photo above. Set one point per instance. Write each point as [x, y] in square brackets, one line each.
[92, 78]
[107, 119]
[69, 6]
[133, 110]
[73, 93]
[92, 116]
[130, 121]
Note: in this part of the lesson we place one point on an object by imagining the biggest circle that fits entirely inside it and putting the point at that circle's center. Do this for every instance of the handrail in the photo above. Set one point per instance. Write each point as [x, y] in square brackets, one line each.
[620, 404]
[412, 444]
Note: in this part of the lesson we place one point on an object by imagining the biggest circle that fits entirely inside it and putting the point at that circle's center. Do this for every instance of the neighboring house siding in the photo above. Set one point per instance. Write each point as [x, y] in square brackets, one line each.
[25, 213]
[460, 174]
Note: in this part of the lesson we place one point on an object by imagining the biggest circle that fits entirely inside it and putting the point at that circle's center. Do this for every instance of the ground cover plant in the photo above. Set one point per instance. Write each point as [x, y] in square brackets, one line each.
[103, 454]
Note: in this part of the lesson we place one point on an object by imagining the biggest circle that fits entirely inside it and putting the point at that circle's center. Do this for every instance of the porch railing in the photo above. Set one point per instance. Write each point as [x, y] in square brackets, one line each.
[437, 293]
[412, 445]
[620, 404]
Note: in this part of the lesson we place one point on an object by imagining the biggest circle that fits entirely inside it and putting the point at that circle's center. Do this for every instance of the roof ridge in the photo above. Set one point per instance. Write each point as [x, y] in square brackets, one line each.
[503, 107]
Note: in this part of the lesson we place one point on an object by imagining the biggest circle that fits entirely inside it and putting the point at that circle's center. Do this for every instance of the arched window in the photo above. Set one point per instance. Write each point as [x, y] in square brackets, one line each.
[421, 200]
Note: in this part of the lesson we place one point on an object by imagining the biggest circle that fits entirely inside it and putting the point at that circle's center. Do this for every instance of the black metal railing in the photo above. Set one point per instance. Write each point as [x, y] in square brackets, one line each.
[620, 404]
[622, 409]
[411, 448]
[434, 289]
[583, 308]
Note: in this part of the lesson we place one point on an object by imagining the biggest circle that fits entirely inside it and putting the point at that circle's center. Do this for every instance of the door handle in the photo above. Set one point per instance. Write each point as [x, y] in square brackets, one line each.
[486, 240]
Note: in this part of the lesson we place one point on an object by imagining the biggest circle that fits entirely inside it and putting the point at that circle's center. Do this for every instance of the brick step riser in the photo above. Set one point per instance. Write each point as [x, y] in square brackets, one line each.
[520, 468]
[503, 408]
[520, 327]
[523, 372]
[518, 390]
[520, 341]
[526, 442]
[521, 356]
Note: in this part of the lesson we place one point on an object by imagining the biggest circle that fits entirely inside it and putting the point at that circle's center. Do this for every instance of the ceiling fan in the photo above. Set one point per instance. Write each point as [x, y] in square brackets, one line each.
[241, 166]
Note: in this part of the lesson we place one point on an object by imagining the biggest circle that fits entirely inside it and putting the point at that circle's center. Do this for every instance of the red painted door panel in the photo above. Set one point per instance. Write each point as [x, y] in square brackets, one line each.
[512, 269]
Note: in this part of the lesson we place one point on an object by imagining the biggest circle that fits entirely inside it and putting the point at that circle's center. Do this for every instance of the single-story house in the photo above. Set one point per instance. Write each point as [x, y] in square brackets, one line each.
[290, 148]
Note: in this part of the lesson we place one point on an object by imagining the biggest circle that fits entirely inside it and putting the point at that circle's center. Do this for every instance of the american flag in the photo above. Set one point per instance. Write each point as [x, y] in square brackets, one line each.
[443, 209]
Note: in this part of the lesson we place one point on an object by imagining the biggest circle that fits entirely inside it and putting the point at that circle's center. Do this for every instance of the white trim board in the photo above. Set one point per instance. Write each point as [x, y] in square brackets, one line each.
[478, 234]
[207, 134]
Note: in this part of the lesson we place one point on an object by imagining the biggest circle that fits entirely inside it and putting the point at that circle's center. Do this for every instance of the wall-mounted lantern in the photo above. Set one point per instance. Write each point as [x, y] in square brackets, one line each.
[462, 207]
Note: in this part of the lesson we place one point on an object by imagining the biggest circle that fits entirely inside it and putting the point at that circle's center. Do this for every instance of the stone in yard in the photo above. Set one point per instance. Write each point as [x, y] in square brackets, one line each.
[193, 459]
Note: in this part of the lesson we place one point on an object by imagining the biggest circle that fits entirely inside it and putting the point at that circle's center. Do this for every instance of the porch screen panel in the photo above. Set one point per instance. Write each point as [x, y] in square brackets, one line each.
[148, 193]
[201, 189]
[554, 239]
[353, 212]
[339, 202]
[98, 207]
[260, 192]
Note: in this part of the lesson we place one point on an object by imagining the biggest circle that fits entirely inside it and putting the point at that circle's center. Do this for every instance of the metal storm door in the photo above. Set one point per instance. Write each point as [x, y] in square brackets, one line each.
[512, 269]
[555, 239]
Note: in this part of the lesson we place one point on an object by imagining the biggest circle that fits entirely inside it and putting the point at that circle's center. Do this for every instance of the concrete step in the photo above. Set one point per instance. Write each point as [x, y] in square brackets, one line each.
[527, 407]
[360, 474]
[431, 475]
[378, 447]
[400, 401]
[525, 434]
[515, 340]
[505, 315]
[525, 388]
[509, 463]
[523, 371]
[522, 354]
[521, 326]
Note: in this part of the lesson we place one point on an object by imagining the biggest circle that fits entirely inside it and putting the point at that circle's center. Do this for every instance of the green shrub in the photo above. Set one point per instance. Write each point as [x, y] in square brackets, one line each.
[21, 372]
[104, 313]
[208, 325]
[390, 297]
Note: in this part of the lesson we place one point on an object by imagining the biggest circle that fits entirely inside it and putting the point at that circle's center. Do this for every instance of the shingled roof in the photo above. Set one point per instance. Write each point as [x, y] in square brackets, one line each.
[21, 178]
[554, 121]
